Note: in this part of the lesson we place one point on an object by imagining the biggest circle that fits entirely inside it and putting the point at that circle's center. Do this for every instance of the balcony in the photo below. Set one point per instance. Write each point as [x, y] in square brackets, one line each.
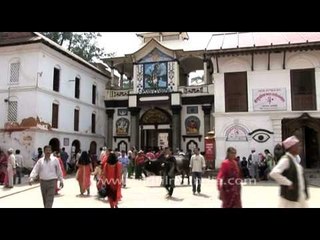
[123, 94]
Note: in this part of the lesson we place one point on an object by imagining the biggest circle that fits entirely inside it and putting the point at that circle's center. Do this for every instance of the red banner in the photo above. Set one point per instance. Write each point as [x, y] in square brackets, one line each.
[210, 151]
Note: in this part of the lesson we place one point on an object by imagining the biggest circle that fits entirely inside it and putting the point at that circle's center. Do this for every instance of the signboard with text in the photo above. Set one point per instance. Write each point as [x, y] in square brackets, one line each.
[269, 99]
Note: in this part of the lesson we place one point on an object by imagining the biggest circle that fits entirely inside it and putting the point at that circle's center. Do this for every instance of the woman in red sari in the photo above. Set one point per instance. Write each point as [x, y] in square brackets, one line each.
[84, 173]
[229, 181]
[112, 175]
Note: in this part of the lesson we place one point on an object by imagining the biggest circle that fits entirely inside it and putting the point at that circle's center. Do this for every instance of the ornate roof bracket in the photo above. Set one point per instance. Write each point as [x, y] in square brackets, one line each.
[252, 61]
[284, 60]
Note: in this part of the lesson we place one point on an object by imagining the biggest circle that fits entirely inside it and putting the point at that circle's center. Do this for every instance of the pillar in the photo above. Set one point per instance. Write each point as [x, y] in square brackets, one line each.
[134, 123]
[121, 80]
[205, 71]
[176, 127]
[110, 113]
[206, 112]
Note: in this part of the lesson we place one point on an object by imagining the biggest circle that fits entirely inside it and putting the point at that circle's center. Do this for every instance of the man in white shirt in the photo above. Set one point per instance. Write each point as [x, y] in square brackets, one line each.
[253, 161]
[19, 166]
[49, 171]
[197, 166]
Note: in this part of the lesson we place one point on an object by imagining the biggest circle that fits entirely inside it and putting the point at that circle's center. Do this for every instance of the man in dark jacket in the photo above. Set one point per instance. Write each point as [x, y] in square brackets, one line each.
[169, 171]
[289, 174]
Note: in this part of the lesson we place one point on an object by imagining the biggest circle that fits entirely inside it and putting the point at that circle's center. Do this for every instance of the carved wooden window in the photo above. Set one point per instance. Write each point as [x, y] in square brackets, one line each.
[93, 123]
[94, 94]
[14, 73]
[77, 88]
[12, 111]
[303, 95]
[76, 119]
[236, 94]
[56, 79]
[55, 115]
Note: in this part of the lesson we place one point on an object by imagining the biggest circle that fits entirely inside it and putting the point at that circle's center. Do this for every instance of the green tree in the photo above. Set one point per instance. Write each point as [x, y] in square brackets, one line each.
[82, 44]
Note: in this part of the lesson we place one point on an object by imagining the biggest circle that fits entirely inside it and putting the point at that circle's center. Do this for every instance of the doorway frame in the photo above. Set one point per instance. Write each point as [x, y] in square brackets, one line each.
[291, 125]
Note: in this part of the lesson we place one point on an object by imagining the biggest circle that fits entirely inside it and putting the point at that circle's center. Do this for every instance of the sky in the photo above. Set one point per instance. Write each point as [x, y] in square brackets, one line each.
[128, 42]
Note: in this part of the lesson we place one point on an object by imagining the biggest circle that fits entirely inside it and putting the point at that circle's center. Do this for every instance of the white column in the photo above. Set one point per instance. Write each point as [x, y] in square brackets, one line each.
[276, 125]
[205, 69]
[121, 80]
[112, 77]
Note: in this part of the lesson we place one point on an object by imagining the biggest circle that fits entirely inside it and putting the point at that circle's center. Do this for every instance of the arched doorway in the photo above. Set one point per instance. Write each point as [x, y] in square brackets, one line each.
[191, 145]
[307, 129]
[93, 147]
[75, 146]
[155, 125]
[55, 144]
[122, 145]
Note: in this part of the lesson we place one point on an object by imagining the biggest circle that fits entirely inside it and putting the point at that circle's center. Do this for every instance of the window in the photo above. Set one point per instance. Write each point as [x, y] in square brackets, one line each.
[14, 73]
[55, 115]
[94, 94]
[77, 88]
[12, 111]
[196, 78]
[192, 110]
[56, 79]
[93, 123]
[303, 94]
[236, 95]
[76, 120]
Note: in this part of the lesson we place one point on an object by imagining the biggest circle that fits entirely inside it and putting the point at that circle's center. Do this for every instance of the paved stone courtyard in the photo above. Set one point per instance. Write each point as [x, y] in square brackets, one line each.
[148, 194]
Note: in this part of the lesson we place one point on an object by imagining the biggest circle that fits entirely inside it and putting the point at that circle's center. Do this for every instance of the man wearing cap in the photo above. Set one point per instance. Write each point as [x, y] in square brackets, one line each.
[289, 174]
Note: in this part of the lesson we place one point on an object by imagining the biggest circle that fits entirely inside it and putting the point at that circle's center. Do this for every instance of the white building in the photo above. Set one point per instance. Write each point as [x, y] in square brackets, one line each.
[48, 95]
[267, 89]
[256, 90]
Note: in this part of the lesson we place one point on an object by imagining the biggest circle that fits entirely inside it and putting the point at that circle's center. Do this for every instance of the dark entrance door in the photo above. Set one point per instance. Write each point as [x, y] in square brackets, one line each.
[312, 148]
[307, 129]
[152, 138]
[152, 123]
[55, 144]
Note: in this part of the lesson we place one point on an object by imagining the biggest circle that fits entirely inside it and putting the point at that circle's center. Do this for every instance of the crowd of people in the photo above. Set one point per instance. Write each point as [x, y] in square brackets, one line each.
[112, 168]
[11, 166]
